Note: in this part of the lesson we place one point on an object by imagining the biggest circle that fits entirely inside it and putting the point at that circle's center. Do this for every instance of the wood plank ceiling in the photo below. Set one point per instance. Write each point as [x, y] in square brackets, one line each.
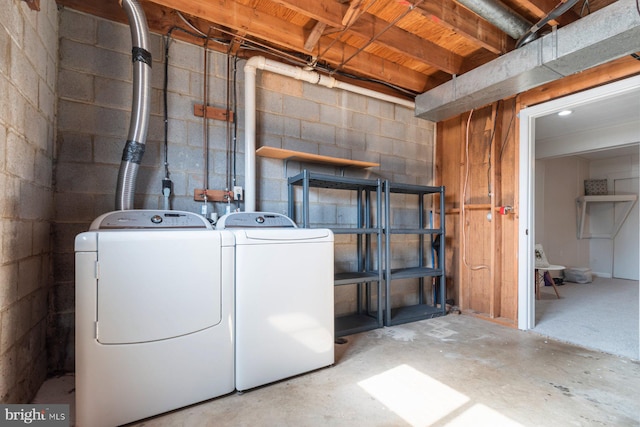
[403, 47]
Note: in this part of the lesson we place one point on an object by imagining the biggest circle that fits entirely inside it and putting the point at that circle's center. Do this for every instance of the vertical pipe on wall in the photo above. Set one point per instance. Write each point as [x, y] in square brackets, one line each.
[134, 147]
[250, 138]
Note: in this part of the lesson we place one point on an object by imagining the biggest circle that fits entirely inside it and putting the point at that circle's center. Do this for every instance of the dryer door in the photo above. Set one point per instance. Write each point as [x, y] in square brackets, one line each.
[154, 285]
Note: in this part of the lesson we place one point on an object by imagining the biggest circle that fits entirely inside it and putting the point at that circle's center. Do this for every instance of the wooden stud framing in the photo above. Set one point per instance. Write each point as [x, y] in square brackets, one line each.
[312, 39]
[494, 304]
[493, 295]
[482, 285]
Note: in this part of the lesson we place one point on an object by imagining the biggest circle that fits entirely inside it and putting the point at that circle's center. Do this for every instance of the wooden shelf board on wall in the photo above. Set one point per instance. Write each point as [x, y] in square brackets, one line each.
[282, 154]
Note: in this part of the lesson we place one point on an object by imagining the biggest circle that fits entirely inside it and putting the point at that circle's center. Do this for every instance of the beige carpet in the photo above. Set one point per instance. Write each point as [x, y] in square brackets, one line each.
[602, 315]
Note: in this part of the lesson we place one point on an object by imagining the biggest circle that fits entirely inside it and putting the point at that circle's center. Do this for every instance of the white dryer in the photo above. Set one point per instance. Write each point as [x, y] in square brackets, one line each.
[154, 315]
[284, 297]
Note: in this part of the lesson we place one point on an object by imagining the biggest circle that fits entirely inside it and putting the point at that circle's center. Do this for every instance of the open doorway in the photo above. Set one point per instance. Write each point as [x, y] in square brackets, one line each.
[598, 309]
[537, 141]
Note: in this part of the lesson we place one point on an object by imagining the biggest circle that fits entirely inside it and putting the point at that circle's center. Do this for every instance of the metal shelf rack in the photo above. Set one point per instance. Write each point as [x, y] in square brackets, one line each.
[369, 276]
[423, 309]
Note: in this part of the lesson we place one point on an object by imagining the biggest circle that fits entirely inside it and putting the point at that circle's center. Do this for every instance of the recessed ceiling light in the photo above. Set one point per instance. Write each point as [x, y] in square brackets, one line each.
[565, 112]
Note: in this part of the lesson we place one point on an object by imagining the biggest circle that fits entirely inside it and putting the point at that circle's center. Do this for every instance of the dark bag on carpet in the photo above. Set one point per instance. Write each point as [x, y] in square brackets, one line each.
[548, 281]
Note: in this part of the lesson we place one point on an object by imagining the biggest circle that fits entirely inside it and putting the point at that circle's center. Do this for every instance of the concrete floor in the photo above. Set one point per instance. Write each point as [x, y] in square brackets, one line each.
[449, 371]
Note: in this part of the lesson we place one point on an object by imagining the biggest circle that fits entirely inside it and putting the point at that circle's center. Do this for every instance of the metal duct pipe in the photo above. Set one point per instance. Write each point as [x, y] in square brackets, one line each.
[134, 148]
[499, 15]
[602, 36]
[261, 63]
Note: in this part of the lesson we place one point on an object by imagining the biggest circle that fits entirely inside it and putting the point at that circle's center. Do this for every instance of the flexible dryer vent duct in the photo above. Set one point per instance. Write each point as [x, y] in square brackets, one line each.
[134, 148]
[499, 15]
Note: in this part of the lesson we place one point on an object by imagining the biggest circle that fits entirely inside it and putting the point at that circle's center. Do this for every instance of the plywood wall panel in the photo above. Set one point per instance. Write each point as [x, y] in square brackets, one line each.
[448, 174]
[493, 293]
[507, 234]
[508, 281]
[477, 148]
[485, 275]
[477, 259]
[448, 160]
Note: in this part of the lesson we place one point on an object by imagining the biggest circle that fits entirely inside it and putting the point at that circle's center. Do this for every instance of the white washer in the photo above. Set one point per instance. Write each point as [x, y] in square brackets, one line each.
[154, 315]
[284, 297]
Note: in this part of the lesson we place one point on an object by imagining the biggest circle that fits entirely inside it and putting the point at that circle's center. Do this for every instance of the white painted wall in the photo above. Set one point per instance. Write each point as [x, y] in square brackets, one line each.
[558, 182]
[602, 215]
[628, 238]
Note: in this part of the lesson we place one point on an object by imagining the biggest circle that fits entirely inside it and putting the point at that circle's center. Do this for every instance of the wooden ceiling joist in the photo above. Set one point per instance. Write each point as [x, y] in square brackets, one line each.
[352, 13]
[330, 14]
[412, 45]
[236, 43]
[540, 8]
[466, 23]
[405, 43]
[314, 36]
[290, 36]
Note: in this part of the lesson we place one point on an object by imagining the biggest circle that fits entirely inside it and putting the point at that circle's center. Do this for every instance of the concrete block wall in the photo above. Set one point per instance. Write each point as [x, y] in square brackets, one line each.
[94, 99]
[301, 116]
[28, 65]
[94, 103]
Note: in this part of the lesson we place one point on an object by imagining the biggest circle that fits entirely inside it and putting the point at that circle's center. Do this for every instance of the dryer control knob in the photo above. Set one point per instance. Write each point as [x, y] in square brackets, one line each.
[260, 219]
[156, 219]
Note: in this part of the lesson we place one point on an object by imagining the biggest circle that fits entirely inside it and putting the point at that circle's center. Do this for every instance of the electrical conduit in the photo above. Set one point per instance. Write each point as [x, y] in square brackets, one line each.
[134, 148]
[261, 63]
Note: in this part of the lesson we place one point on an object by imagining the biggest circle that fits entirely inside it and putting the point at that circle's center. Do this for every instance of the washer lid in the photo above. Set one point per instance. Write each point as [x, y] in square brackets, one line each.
[149, 219]
[271, 236]
[155, 285]
[254, 220]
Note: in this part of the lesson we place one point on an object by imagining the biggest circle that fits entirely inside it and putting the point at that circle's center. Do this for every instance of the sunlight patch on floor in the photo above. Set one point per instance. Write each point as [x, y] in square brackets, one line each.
[422, 401]
[481, 415]
[415, 397]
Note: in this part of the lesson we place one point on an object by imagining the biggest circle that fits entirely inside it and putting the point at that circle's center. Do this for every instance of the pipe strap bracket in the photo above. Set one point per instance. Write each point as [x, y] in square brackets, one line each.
[142, 55]
[133, 152]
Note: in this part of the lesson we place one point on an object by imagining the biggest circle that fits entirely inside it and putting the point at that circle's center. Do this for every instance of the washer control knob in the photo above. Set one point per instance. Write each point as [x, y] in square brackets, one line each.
[260, 219]
[156, 219]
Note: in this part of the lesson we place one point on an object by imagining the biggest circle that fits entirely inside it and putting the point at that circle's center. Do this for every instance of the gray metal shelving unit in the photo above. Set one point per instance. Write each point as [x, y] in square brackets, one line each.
[423, 309]
[368, 231]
